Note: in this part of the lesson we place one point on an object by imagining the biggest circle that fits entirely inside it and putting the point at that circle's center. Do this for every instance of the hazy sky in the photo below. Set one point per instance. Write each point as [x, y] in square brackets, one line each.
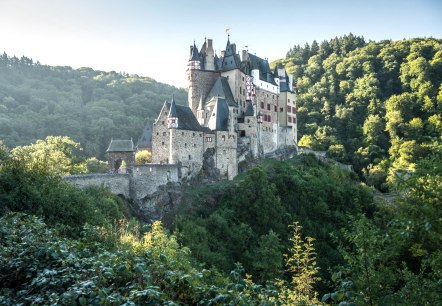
[152, 38]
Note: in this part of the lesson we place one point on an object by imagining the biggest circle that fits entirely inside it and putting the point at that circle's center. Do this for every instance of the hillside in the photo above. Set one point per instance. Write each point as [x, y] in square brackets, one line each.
[375, 105]
[89, 106]
[65, 246]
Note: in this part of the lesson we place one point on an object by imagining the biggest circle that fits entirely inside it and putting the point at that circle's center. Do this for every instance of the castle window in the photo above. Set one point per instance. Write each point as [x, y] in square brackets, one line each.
[248, 120]
[185, 145]
[262, 104]
[289, 118]
[209, 139]
[162, 143]
[268, 106]
[281, 109]
[289, 109]
[288, 100]
[190, 157]
[164, 133]
[294, 119]
[162, 122]
[224, 137]
[158, 133]
[193, 134]
[201, 134]
[182, 133]
[276, 108]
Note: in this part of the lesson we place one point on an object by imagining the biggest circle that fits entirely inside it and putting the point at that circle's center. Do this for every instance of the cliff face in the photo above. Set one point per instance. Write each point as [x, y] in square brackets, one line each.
[159, 205]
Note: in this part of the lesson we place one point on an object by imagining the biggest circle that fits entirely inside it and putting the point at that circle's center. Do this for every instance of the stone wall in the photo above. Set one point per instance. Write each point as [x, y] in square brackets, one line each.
[187, 148]
[147, 178]
[115, 159]
[200, 84]
[160, 138]
[117, 183]
[144, 180]
[226, 154]
[285, 136]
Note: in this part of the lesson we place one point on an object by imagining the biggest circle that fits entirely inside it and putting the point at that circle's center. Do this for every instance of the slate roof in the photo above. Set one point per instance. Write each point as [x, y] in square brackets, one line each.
[249, 110]
[220, 115]
[172, 110]
[121, 146]
[186, 118]
[145, 140]
[231, 60]
[194, 54]
[283, 78]
[221, 88]
[255, 62]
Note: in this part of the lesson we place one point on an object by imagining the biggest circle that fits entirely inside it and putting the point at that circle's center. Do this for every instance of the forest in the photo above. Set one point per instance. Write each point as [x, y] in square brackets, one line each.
[375, 105]
[281, 233]
[293, 232]
[89, 106]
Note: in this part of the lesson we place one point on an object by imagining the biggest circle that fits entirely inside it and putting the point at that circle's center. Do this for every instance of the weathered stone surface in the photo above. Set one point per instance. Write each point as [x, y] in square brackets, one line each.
[119, 184]
[159, 205]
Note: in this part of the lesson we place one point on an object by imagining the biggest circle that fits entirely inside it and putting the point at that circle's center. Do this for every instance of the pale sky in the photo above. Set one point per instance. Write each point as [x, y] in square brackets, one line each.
[152, 38]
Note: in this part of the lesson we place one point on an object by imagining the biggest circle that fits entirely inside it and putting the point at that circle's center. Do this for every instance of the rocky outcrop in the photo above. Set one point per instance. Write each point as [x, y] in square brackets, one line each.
[160, 205]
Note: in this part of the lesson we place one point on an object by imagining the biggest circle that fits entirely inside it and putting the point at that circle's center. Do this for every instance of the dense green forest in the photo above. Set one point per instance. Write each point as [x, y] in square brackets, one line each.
[375, 105]
[86, 105]
[282, 233]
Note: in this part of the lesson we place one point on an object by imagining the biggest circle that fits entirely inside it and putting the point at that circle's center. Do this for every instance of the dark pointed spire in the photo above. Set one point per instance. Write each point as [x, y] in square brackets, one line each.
[172, 112]
[194, 54]
[200, 105]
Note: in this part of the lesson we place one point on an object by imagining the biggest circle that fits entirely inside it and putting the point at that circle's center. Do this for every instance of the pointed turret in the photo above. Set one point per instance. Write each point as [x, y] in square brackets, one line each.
[200, 112]
[172, 118]
[230, 59]
[194, 58]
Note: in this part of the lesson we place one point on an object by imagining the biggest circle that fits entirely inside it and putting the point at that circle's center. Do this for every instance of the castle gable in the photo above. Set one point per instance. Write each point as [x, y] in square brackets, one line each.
[219, 117]
[221, 88]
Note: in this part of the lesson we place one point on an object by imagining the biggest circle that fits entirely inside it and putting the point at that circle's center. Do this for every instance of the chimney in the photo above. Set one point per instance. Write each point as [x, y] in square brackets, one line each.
[210, 56]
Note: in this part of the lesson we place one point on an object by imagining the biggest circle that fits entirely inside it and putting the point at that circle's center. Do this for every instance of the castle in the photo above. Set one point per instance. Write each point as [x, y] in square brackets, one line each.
[237, 107]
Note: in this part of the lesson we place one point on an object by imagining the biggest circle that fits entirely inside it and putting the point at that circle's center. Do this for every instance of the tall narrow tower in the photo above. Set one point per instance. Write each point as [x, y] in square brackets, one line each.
[172, 124]
[193, 76]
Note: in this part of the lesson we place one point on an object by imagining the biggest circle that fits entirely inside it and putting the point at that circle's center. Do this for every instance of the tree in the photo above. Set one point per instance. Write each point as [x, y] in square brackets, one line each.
[301, 263]
[55, 154]
[143, 157]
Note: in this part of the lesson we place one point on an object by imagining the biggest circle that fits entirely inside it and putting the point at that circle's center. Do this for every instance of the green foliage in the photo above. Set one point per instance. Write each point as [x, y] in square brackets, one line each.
[396, 260]
[143, 157]
[234, 222]
[94, 165]
[301, 263]
[35, 191]
[379, 100]
[86, 105]
[55, 155]
[38, 266]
